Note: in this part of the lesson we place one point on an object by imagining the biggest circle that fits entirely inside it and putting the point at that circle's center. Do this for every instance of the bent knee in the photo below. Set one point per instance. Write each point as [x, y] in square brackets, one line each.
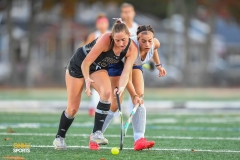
[105, 95]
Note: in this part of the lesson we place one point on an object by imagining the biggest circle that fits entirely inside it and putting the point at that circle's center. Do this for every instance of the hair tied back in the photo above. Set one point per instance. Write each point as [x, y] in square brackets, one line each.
[119, 19]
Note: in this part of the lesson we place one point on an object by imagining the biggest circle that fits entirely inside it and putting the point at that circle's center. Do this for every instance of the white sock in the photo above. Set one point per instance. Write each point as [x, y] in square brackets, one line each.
[139, 122]
[107, 120]
[95, 98]
[130, 105]
[116, 114]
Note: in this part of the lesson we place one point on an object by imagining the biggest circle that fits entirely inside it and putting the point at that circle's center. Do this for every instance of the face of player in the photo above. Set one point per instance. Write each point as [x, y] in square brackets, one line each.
[102, 26]
[127, 13]
[145, 41]
[121, 39]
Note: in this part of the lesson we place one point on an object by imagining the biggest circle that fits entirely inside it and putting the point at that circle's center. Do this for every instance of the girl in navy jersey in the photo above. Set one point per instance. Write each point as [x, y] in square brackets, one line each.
[89, 65]
[147, 49]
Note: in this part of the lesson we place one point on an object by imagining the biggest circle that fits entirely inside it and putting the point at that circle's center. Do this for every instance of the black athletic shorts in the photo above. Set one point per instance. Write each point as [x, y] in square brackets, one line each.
[74, 66]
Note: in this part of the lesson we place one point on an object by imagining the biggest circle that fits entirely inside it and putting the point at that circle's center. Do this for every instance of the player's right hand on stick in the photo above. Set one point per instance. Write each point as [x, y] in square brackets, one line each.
[119, 91]
[88, 82]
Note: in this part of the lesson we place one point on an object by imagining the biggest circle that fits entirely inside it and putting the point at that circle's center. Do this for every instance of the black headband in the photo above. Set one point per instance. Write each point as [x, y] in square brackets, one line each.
[144, 28]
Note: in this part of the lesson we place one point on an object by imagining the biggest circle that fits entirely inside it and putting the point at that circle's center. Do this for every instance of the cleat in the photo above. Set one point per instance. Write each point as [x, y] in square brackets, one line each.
[59, 143]
[150, 144]
[142, 143]
[93, 146]
[97, 139]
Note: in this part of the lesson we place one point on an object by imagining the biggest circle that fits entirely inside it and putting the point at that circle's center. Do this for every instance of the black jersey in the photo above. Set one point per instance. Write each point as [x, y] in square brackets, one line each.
[102, 61]
[108, 57]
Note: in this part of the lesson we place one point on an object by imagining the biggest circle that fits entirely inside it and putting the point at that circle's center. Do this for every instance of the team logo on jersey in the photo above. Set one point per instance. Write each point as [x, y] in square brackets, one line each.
[107, 60]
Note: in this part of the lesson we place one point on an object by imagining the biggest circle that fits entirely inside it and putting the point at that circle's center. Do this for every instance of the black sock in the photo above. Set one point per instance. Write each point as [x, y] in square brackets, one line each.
[100, 115]
[64, 124]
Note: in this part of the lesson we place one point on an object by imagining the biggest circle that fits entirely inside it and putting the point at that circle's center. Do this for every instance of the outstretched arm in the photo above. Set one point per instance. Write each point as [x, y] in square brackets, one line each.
[134, 96]
[130, 59]
[156, 59]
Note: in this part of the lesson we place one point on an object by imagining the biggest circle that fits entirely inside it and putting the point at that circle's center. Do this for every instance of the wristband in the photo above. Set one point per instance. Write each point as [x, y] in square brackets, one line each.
[158, 65]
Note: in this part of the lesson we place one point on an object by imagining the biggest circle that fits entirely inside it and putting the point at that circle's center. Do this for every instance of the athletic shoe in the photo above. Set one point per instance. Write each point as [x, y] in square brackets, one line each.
[91, 112]
[59, 143]
[97, 139]
[150, 144]
[93, 145]
[142, 143]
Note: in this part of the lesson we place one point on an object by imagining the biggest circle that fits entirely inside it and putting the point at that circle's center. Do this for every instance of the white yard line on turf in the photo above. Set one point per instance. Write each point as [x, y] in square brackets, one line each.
[89, 125]
[153, 149]
[195, 120]
[213, 120]
[157, 137]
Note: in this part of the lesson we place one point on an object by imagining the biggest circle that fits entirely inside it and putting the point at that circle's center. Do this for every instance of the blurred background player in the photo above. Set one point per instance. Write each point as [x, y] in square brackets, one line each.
[102, 25]
[127, 14]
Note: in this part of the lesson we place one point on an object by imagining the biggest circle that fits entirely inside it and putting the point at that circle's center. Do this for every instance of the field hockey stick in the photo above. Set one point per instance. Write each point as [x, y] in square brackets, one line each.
[130, 118]
[121, 119]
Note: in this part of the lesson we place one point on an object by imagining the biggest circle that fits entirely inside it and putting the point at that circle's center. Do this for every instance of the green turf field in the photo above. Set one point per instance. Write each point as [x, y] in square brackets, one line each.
[172, 94]
[177, 136]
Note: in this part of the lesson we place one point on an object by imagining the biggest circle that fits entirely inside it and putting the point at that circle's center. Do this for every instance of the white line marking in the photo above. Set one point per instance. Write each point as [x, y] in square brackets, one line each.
[38, 125]
[89, 124]
[195, 120]
[161, 120]
[156, 137]
[212, 104]
[153, 149]
[213, 120]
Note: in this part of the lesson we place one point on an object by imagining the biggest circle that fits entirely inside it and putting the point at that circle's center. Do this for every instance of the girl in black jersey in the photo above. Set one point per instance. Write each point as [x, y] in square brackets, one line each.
[89, 64]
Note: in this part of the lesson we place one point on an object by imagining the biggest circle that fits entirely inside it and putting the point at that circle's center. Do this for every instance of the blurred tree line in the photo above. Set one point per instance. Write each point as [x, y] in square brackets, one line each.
[160, 8]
